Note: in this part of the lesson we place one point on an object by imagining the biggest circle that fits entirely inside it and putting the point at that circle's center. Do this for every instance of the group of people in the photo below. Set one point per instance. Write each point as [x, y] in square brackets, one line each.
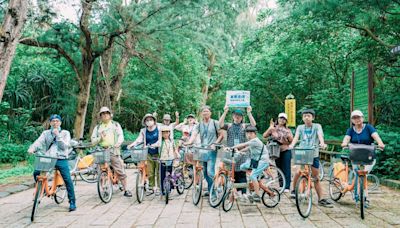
[159, 138]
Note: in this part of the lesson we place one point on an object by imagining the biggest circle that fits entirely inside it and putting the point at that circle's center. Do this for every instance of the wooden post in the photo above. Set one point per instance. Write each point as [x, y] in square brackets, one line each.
[371, 119]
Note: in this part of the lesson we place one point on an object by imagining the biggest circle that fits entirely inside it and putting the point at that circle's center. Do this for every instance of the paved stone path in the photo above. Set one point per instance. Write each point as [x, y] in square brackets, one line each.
[15, 211]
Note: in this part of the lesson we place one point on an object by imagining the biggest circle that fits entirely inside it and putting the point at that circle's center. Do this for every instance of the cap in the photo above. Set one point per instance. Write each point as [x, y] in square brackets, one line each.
[167, 117]
[104, 109]
[309, 111]
[146, 116]
[191, 116]
[251, 129]
[238, 112]
[282, 115]
[356, 113]
[55, 116]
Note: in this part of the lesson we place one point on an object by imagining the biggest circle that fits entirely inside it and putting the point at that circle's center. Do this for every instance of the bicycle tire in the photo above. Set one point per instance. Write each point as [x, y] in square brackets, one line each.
[188, 176]
[373, 182]
[167, 189]
[218, 191]
[197, 187]
[362, 197]
[36, 199]
[275, 201]
[87, 176]
[335, 192]
[139, 188]
[104, 187]
[228, 201]
[301, 187]
[321, 171]
[278, 176]
[60, 194]
[180, 185]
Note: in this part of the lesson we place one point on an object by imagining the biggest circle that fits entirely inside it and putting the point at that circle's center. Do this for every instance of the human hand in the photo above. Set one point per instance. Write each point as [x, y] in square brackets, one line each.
[226, 108]
[31, 150]
[249, 109]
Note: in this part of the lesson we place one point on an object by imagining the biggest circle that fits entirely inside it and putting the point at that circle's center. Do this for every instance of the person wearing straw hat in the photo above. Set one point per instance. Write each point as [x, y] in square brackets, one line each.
[150, 136]
[283, 136]
[56, 143]
[166, 122]
[109, 134]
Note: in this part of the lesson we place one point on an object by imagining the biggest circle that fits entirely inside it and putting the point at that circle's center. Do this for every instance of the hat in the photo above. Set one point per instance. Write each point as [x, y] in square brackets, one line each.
[251, 129]
[309, 111]
[165, 128]
[356, 113]
[282, 115]
[167, 117]
[146, 116]
[55, 116]
[104, 109]
[238, 112]
[191, 116]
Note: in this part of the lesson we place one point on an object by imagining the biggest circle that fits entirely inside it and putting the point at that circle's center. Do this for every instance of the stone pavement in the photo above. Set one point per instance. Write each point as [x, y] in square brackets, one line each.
[180, 212]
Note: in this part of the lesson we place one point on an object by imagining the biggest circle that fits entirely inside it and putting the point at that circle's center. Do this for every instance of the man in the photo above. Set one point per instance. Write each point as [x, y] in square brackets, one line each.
[208, 130]
[108, 134]
[56, 142]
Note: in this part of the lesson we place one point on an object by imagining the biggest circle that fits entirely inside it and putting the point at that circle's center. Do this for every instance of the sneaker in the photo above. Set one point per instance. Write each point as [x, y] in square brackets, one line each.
[325, 203]
[293, 195]
[149, 192]
[256, 198]
[206, 193]
[286, 191]
[366, 204]
[72, 206]
[128, 193]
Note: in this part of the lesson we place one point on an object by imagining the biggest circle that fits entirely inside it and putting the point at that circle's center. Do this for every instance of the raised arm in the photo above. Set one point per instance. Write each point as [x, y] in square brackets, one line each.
[223, 116]
[251, 118]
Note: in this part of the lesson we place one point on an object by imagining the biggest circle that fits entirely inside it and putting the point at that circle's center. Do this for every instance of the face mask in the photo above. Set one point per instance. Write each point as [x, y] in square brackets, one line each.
[149, 123]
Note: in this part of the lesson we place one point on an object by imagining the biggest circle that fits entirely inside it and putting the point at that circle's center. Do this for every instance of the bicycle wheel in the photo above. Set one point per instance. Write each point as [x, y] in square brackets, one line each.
[373, 182]
[278, 178]
[167, 188]
[139, 187]
[91, 175]
[197, 187]
[180, 185]
[335, 187]
[36, 199]
[104, 187]
[362, 197]
[303, 197]
[271, 201]
[188, 176]
[59, 195]
[227, 202]
[217, 190]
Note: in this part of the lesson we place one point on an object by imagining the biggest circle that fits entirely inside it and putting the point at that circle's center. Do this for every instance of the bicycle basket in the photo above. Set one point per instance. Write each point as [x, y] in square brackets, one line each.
[188, 156]
[139, 154]
[201, 154]
[101, 156]
[226, 157]
[46, 164]
[303, 156]
[274, 150]
[361, 154]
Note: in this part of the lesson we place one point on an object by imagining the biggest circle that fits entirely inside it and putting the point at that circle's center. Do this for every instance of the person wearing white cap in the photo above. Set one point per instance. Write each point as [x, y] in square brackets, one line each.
[361, 133]
[283, 136]
[109, 134]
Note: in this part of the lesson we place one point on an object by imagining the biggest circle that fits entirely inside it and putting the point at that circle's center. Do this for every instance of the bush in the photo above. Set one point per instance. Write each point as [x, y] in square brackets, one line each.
[12, 153]
[388, 161]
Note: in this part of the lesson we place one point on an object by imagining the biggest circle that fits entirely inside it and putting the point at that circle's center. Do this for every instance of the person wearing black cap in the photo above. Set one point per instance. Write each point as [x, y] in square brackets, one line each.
[236, 134]
[311, 135]
[189, 123]
[259, 159]
[55, 142]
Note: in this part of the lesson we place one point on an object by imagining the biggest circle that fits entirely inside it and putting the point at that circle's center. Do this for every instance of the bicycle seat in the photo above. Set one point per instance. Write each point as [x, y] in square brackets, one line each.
[345, 158]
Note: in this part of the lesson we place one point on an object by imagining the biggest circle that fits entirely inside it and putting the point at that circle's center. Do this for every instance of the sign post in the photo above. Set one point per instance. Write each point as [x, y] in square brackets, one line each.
[362, 92]
[239, 99]
[290, 110]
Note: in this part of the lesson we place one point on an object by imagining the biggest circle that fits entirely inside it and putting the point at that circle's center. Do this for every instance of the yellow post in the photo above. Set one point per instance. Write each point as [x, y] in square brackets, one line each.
[290, 110]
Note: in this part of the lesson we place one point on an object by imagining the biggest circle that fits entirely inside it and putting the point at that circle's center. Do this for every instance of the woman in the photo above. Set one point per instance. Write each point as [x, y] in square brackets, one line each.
[282, 134]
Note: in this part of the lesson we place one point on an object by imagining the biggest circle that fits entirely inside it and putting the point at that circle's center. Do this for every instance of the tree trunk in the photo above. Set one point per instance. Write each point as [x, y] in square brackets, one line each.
[206, 84]
[10, 33]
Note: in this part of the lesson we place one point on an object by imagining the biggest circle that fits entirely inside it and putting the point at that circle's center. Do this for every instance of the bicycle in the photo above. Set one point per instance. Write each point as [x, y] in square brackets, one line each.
[106, 175]
[274, 173]
[270, 196]
[57, 189]
[186, 166]
[139, 156]
[200, 155]
[82, 166]
[172, 180]
[218, 187]
[303, 191]
[360, 155]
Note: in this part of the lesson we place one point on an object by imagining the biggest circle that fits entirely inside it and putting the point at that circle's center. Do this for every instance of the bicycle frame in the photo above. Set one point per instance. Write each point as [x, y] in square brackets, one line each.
[57, 180]
[113, 176]
[346, 187]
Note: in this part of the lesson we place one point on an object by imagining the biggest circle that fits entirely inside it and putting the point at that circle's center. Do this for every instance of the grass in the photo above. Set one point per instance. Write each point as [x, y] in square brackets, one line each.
[10, 173]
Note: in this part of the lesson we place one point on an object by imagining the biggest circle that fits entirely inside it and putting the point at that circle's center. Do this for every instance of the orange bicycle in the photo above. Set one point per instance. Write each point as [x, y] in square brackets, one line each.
[106, 176]
[139, 155]
[57, 189]
[200, 155]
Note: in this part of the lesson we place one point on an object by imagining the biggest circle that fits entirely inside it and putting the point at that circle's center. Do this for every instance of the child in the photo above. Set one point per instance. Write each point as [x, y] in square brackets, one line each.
[259, 159]
[311, 135]
[167, 153]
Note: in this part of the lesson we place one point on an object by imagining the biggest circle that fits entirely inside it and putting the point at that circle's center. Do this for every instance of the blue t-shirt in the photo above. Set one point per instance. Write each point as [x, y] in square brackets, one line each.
[151, 138]
[364, 137]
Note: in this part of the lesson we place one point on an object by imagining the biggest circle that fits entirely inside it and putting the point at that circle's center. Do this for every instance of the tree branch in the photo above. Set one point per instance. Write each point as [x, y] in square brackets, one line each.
[370, 34]
[84, 22]
[155, 12]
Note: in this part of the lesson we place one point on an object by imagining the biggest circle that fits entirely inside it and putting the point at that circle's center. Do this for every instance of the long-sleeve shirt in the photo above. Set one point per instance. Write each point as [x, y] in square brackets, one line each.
[113, 135]
[53, 146]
